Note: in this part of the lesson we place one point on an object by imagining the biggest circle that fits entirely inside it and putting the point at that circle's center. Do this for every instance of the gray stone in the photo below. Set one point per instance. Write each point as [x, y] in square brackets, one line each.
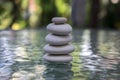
[65, 49]
[58, 40]
[62, 29]
[55, 58]
[59, 20]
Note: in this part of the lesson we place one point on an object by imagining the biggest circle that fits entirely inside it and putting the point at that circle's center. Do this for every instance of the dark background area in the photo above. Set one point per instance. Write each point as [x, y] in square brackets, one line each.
[21, 14]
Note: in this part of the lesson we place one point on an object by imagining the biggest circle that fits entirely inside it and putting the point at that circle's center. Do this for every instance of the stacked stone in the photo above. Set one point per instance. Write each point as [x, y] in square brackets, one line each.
[58, 48]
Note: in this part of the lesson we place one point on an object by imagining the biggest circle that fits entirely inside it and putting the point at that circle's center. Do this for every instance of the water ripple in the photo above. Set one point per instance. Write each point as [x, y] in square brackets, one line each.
[96, 56]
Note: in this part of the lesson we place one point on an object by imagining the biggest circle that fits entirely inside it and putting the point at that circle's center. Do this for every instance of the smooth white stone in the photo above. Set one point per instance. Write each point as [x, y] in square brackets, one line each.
[65, 49]
[58, 40]
[59, 58]
[59, 20]
[62, 29]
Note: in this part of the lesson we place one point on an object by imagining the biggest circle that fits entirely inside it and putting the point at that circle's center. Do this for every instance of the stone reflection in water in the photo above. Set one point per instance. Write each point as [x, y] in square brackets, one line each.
[6, 56]
[57, 71]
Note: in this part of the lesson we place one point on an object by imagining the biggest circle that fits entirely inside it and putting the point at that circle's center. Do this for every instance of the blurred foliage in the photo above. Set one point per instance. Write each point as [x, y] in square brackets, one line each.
[20, 14]
[31, 13]
[5, 17]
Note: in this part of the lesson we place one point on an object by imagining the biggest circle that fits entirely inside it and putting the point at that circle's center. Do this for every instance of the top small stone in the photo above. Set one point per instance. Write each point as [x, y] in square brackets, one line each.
[59, 20]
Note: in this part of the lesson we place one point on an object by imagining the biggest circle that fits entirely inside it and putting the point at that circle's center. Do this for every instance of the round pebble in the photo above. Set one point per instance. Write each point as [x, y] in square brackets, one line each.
[58, 40]
[55, 58]
[62, 29]
[65, 49]
[59, 20]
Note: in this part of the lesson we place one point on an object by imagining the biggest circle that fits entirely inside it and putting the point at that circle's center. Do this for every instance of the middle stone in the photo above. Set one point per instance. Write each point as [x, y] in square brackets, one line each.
[57, 39]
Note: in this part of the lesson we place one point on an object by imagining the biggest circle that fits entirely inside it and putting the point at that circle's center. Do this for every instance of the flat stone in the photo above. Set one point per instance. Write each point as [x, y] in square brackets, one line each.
[59, 20]
[58, 40]
[65, 49]
[62, 29]
[55, 58]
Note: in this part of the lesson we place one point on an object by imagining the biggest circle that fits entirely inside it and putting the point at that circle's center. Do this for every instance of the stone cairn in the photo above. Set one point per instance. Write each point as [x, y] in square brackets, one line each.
[58, 48]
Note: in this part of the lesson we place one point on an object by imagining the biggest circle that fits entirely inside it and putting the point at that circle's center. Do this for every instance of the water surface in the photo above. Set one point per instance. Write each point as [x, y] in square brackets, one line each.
[96, 56]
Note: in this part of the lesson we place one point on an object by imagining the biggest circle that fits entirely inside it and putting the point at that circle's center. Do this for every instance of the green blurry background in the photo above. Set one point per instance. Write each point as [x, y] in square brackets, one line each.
[21, 14]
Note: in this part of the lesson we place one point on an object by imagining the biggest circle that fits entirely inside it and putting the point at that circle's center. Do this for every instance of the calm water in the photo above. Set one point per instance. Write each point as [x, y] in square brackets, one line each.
[96, 56]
